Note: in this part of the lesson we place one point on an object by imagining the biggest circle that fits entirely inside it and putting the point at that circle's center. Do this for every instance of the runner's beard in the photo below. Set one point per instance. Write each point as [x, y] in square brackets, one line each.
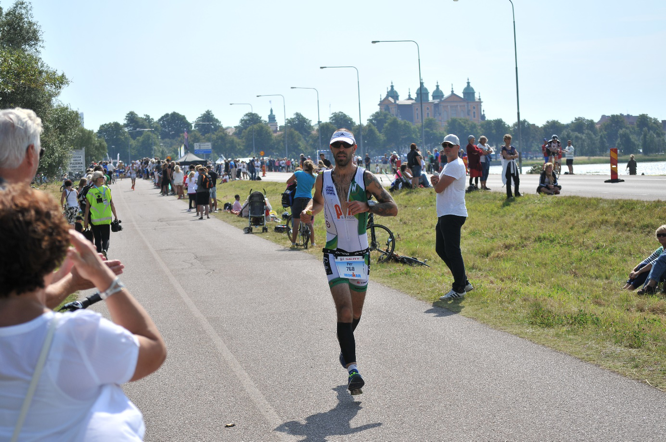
[343, 162]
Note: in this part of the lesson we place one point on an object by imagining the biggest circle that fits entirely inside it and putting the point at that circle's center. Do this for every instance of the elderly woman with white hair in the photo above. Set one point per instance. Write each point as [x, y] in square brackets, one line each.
[99, 208]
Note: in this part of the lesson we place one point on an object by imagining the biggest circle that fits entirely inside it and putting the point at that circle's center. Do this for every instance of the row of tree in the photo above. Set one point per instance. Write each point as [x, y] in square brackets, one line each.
[382, 133]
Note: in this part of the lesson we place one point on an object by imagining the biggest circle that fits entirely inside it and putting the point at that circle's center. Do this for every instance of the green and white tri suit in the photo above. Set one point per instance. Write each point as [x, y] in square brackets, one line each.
[346, 234]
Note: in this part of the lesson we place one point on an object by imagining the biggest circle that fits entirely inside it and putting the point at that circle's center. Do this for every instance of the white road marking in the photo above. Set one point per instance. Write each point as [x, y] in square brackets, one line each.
[255, 395]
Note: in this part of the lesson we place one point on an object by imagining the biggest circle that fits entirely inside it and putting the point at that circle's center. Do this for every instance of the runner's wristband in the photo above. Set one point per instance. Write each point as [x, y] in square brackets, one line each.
[115, 287]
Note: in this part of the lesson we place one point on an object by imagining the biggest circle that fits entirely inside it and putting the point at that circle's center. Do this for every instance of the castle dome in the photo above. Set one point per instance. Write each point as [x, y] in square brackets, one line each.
[437, 94]
[422, 93]
[469, 93]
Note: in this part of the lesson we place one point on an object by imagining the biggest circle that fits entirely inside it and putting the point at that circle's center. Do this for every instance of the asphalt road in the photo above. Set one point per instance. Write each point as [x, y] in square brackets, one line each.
[250, 330]
[641, 187]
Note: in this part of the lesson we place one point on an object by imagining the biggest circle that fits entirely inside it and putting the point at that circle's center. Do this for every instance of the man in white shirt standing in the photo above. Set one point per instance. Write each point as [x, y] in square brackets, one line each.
[452, 214]
[569, 152]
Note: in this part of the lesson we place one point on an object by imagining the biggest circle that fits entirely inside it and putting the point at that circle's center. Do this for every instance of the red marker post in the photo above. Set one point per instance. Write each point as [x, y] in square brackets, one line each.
[613, 165]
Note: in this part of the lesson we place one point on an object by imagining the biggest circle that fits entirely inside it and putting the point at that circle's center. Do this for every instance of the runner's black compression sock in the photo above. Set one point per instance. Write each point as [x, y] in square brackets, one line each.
[347, 342]
[355, 324]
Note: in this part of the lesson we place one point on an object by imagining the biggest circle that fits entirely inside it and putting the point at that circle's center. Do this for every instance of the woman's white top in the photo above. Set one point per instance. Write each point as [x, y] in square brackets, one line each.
[451, 201]
[178, 178]
[78, 397]
[71, 198]
[191, 185]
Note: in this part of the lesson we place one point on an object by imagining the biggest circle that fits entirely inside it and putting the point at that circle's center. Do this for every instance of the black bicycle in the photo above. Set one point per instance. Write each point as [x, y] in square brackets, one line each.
[380, 238]
[303, 237]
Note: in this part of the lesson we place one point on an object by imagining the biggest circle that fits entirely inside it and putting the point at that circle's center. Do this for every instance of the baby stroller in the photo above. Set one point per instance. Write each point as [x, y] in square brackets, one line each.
[256, 211]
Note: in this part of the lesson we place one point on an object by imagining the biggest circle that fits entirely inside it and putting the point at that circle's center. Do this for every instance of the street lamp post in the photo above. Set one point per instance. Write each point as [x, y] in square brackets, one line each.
[358, 84]
[251, 110]
[418, 53]
[318, 117]
[515, 53]
[284, 108]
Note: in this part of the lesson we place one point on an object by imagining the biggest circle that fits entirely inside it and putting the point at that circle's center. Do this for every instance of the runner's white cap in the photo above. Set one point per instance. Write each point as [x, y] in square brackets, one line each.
[343, 135]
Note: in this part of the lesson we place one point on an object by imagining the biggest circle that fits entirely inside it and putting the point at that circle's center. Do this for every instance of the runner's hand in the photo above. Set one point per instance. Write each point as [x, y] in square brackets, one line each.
[305, 218]
[356, 207]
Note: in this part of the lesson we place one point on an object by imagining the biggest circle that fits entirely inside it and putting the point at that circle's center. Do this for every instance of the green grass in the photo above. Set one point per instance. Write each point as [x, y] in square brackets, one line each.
[548, 269]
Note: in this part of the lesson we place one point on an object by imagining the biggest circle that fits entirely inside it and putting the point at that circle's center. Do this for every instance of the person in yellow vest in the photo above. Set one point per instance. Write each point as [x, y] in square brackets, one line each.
[98, 211]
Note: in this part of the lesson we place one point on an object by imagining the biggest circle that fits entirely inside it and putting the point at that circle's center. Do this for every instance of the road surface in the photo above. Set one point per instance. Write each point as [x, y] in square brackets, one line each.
[641, 187]
[250, 330]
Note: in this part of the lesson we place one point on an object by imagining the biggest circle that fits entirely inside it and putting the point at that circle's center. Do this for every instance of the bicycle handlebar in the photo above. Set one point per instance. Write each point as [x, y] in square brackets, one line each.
[78, 305]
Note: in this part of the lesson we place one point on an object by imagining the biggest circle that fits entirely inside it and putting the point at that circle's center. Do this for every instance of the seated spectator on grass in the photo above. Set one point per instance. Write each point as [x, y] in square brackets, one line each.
[655, 264]
[403, 179]
[237, 205]
[548, 181]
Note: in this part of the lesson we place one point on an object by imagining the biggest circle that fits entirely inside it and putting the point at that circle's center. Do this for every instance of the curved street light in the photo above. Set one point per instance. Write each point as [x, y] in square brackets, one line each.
[358, 84]
[418, 52]
[284, 108]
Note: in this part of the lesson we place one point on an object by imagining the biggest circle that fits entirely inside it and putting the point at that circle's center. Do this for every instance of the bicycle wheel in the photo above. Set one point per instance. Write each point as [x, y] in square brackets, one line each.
[304, 231]
[381, 239]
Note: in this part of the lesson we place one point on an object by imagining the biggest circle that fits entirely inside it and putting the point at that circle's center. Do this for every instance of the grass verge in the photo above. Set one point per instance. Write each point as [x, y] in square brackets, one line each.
[548, 269]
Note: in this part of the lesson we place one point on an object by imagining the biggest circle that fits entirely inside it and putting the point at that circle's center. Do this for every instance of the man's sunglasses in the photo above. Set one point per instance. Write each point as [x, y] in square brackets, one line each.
[339, 144]
[660, 235]
[447, 145]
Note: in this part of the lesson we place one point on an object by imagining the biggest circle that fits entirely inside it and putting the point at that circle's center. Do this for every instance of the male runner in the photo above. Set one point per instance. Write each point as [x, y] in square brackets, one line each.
[344, 193]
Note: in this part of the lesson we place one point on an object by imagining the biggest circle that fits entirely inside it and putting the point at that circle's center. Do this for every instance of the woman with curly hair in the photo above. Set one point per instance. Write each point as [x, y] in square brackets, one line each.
[60, 374]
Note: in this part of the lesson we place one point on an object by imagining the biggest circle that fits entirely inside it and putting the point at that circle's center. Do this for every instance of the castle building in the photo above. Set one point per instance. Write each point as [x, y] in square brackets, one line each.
[272, 123]
[441, 108]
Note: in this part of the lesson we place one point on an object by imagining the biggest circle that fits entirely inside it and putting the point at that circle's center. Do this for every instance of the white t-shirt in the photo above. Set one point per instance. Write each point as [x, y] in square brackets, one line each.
[191, 185]
[485, 148]
[78, 397]
[452, 200]
[569, 151]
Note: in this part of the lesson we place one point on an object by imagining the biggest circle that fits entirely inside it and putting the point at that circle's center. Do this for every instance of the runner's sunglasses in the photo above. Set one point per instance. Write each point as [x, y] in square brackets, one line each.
[339, 144]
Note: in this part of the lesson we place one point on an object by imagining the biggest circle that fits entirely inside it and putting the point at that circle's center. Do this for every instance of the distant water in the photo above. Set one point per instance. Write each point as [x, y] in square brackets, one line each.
[652, 168]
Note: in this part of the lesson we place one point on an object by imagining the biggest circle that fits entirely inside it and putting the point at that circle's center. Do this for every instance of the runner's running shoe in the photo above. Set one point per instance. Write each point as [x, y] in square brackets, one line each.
[356, 382]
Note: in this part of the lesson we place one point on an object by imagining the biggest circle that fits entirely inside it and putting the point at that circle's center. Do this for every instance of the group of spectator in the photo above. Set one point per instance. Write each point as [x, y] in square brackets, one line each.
[552, 151]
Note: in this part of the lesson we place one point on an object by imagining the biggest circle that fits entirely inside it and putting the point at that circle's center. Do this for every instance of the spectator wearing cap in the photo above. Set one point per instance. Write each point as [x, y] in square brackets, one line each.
[451, 215]
[474, 155]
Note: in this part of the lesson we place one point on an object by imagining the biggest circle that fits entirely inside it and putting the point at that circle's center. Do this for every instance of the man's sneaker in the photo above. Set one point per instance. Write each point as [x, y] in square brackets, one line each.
[468, 287]
[647, 290]
[452, 295]
[356, 382]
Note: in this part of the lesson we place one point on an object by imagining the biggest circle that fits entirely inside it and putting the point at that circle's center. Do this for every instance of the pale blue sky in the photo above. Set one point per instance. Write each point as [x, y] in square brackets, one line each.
[575, 57]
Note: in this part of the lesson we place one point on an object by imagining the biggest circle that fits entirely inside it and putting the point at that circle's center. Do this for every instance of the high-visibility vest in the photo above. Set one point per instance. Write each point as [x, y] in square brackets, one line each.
[99, 200]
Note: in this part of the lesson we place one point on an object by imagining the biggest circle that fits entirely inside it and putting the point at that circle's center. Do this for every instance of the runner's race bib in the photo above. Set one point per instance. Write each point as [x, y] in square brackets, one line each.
[351, 267]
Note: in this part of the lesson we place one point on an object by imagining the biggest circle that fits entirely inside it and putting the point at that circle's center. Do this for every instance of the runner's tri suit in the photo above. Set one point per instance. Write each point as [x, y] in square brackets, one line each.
[346, 235]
